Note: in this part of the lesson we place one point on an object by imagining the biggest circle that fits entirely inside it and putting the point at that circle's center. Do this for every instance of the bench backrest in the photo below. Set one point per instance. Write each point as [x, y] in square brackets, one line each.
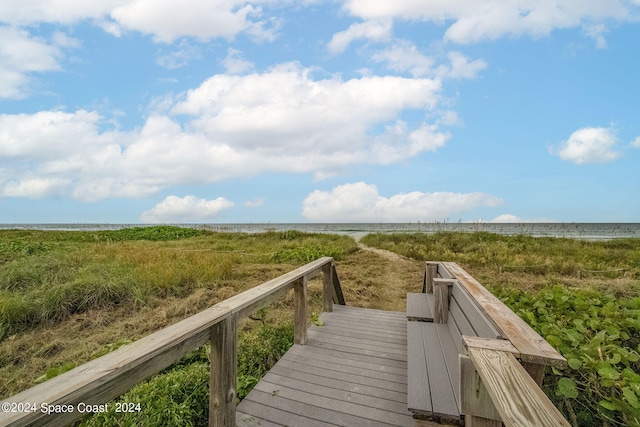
[465, 318]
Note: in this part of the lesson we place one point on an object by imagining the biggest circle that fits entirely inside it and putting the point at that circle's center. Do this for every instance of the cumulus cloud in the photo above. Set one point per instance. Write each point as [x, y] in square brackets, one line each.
[589, 145]
[170, 19]
[478, 20]
[370, 30]
[175, 209]
[21, 55]
[165, 20]
[361, 202]
[283, 120]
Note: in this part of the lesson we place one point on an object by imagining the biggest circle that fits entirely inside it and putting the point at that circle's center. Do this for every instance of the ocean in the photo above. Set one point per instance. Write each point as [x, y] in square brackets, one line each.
[575, 230]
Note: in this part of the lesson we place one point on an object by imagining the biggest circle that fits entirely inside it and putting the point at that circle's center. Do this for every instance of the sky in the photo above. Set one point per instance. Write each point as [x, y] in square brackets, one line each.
[282, 111]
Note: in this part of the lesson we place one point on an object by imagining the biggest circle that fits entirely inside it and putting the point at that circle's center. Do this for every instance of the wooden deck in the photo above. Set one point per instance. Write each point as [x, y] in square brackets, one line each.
[351, 372]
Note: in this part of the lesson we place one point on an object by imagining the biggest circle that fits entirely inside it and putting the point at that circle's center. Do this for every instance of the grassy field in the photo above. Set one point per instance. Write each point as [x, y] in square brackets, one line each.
[69, 297]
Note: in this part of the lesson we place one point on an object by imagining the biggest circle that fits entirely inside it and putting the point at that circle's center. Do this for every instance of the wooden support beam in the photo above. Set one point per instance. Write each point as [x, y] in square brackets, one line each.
[300, 311]
[222, 382]
[475, 401]
[441, 297]
[327, 287]
[337, 287]
[430, 273]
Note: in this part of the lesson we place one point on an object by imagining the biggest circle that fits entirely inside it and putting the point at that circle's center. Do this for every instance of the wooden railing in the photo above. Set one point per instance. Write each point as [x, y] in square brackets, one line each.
[60, 400]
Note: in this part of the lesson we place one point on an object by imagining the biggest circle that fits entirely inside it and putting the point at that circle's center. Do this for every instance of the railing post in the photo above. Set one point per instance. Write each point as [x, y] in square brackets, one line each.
[300, 309]
[222, 382]
[327, 287]
[430, 273]
[441, 299]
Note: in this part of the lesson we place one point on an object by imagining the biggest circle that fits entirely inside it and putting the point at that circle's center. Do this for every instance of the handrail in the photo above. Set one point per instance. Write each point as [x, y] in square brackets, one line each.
[104, 379]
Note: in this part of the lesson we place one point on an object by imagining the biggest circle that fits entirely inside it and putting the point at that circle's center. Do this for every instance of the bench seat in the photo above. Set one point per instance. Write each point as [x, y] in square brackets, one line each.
[434, 381]
[420, 307]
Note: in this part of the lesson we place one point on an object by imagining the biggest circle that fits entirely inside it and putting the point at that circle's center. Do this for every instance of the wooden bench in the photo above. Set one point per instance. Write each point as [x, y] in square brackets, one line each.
[454, 325]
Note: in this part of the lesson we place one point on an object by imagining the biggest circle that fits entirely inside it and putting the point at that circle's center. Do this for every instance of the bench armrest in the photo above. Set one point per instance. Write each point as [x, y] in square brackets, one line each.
[516, 396]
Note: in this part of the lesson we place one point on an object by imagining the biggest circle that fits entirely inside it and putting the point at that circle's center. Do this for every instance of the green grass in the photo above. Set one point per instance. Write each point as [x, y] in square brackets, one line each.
[45, 277]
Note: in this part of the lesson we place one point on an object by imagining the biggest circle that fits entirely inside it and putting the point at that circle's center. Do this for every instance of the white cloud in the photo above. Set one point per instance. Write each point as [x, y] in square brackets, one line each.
[33, 187]
[255, 203]
[235, 64]
[164, 20]
[508, 218]
[405, 57]
[168, 20]
[180, 57]
[28, 12]
[20, 56]
[361, 202]
[471, 21]
[589, 145]
[370, 30]
[635, 143]
[462, 68]
[175, 209]
[231, 126]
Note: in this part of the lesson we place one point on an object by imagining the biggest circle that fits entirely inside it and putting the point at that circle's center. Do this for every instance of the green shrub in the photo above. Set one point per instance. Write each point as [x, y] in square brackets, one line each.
[179, 397]
[599, 335]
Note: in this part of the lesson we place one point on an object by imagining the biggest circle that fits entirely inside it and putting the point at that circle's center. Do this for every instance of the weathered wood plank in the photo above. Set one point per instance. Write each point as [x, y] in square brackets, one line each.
[340, 384]
[328, 291]
[490, 344]
[395, 330]
[244, 420]
[303, 360]
[300, 311]
[337, 287]
[338, 359]
[328, 411]
[222, 383]
[260, 411]
[357, 349]
[420, 307]
[349, 403]
[441, 300]
[515, 394]
[382, 361]
[430, 273]
[320, 333]
[364, 334]
[532, 347]
[337, 375]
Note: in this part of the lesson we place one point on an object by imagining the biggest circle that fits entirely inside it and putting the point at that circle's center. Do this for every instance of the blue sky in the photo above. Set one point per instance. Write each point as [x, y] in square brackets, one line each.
[128, 111]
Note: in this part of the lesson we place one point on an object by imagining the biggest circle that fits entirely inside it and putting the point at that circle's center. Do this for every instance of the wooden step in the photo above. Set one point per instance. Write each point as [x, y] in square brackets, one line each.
[420, 307]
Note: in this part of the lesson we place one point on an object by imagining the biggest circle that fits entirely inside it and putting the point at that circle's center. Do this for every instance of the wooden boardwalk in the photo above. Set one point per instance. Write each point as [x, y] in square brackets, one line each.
[351, 372]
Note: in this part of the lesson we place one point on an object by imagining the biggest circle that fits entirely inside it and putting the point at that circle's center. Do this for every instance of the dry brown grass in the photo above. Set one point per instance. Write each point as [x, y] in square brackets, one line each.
[368, 280]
